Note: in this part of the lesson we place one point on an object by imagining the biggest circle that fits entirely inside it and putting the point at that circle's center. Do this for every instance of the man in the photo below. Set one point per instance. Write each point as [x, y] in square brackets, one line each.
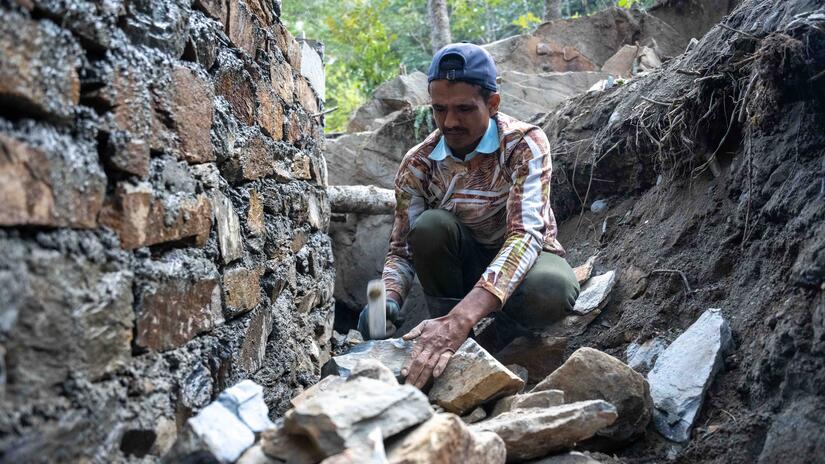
[473, 219]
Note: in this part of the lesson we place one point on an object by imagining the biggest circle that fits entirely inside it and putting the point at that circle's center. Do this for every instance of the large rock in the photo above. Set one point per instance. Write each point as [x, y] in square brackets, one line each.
[404, 91]
[525, 95]
[684, 372]
[539, 399]
[392, 353]
[595, 293]
[532, 433]
[343, 417]
[444, 439]
[593, 375]
[295, 449]
[472, 377]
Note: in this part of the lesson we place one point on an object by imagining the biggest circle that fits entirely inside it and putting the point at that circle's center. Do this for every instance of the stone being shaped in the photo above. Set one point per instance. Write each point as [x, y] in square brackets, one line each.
[684, 372]
[595, 292]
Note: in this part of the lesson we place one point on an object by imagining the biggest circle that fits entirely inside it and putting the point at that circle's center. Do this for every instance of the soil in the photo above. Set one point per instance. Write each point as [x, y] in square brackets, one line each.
[750, 240]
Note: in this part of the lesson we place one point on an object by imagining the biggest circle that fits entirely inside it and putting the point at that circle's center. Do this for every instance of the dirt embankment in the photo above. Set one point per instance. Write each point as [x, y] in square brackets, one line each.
[714, 167]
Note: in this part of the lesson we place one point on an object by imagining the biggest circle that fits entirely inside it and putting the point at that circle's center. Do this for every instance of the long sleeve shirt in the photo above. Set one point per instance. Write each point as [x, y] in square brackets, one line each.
[503, 198]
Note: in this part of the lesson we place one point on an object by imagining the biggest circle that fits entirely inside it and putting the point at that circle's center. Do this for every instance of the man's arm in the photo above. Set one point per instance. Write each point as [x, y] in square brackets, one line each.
[527, 216]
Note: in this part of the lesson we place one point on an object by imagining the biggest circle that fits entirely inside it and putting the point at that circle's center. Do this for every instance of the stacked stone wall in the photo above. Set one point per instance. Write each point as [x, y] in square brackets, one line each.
[162, 220]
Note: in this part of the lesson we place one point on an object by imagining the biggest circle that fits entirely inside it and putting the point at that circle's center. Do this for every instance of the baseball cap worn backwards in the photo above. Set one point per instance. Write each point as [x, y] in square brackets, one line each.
[464, 62]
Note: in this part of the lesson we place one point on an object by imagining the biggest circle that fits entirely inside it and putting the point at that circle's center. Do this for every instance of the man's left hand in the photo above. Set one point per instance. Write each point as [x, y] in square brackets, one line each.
[436, 340]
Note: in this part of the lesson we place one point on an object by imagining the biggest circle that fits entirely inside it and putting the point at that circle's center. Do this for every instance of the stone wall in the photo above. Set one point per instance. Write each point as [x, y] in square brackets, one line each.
[162, 224]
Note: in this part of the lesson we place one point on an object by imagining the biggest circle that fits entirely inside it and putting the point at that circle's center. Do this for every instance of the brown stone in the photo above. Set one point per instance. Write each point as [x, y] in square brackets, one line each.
[241, 290]
[296, 449]
[329, 382]
[472, 377]
[262, 9]
[27, 191]
[235, 85]
[584, 271]
[253, 348]
[175, 310]
[554, 57]
[217, 9]
[445, 439]
[537, 432]
[288, 45]
[241, 27]
[590, 375]
[282, 80]
[37, 67]
[255, 214]
[308, 301]
[306, 96]
[252, 159]
[139, 219]
[192, 103]
[270, 112]
[539, 355]
[297, 128]
[301, 168]
[539, 399]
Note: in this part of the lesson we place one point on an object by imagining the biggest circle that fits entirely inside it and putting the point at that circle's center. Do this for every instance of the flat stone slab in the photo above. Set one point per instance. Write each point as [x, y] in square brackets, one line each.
[392, 353]
[595, 292]
[344, 416]
[472, 377]
[684, 371]
[537, 432]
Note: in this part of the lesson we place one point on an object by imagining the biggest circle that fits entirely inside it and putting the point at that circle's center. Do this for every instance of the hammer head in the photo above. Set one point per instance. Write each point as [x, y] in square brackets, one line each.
[377, 309]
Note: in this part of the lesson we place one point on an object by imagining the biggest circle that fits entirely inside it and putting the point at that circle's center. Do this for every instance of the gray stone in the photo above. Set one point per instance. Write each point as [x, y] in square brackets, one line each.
[344, 416]
[229, 228]
[405, 90]
[532, 433]
[392, 353]
[684, 372]
[525, 95]
[797, 435]
[312, 67]
[520, 371]
[373, 369]
[477, 415]
[593, 375]
[539, 399]
[642, 357]
[246, 400]
[595, 292]
[472, 377]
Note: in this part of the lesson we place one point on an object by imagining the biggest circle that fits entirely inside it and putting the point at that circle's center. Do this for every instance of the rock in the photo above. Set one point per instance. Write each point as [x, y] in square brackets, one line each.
[478, 414]
[405, 91]
[796, 434]
[306, 96]
[520, 371]
[642, 357]
[255, 455]
[683, 373]
[444, 439]
[241, 27]
[595, 293]
[252, 157]
[241, 290]
[593, 375]
[329, 382]
[215, 433]
[525, 95]
[295, 449]
[584, 271]
[370, 452]
[144, 27]
[630, 60]
[253, 348]
[539, 399]
[573, 457]
[373, 369]
[234, 83]
[38, 67]
[392, 353]
[354, 337]
[246, 400]
[192, 110]
[532, 433]
[229, 228]
[343, 417]
[270, 112]
[472, 377]
[540, 355]
[140, 217]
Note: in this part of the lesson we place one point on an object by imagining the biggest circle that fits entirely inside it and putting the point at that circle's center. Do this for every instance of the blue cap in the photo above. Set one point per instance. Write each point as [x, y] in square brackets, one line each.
[464, 62]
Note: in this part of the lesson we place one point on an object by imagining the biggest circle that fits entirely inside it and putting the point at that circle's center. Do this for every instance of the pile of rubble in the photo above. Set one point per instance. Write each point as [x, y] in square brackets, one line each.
[478, 410]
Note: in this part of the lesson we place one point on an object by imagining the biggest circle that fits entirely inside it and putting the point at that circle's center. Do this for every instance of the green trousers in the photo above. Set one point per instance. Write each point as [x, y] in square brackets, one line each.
[449, 262]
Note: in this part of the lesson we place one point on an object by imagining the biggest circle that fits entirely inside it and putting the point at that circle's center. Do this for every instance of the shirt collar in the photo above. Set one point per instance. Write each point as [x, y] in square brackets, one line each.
[489, 144]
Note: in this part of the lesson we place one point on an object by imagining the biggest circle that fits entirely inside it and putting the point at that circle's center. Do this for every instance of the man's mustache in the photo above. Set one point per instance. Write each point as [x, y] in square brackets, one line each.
[455, 131]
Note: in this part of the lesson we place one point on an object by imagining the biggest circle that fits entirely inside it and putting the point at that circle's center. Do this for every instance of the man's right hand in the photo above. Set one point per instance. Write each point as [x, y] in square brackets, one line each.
[394, 317]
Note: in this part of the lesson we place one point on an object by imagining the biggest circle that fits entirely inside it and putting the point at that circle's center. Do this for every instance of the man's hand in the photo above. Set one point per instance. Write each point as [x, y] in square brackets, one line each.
[436, 340]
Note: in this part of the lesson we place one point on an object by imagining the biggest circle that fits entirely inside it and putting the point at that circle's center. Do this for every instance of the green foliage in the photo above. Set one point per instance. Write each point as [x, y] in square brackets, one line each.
[527, 21]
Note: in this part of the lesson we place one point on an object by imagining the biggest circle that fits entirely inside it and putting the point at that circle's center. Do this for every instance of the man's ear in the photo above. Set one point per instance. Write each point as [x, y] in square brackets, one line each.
[493, 103]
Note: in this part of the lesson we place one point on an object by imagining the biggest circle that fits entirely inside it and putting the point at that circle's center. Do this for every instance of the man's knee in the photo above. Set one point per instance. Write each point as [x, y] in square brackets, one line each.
[432, 231]
[552, 288]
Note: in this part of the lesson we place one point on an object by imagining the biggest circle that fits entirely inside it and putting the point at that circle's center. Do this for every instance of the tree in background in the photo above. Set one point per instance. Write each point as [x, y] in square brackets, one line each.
[439, 23]
[367, 41]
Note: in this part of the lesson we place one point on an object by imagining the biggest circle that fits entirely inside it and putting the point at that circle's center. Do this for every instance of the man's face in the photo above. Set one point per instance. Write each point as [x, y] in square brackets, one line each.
[461, 113]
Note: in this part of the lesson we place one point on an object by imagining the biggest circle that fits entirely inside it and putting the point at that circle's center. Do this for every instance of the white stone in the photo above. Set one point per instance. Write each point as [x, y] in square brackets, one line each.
[246, 400]
[684, 372]
[595, 292]
[221, 432]
[229, 227]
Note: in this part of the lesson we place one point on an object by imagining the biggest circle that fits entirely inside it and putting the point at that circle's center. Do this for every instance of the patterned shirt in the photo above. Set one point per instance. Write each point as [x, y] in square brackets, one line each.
[503, 198]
